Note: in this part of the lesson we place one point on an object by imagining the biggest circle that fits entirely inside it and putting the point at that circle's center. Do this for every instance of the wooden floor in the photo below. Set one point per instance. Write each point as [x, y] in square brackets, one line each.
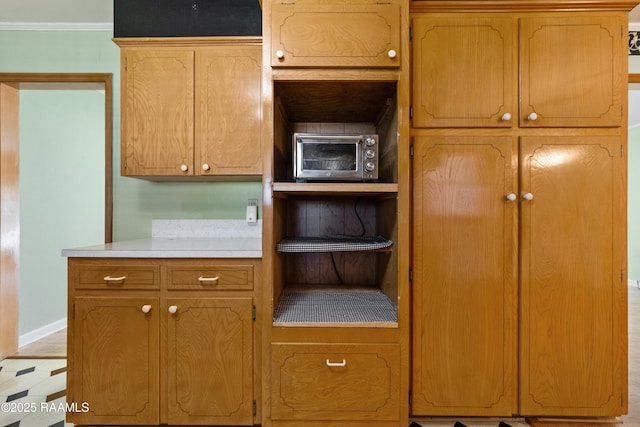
[55, 346]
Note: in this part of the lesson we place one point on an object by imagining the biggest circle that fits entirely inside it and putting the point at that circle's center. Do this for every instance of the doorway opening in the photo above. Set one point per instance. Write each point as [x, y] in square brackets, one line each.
[11, 87]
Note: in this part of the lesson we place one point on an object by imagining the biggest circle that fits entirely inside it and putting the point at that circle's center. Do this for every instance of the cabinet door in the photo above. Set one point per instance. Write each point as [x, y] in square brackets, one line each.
[210, 359]
[573, 289]
[335, 34]
[573, 70]
[464, 70]
[115, 361]
[229, 110]
[157, 112]
[464, 276]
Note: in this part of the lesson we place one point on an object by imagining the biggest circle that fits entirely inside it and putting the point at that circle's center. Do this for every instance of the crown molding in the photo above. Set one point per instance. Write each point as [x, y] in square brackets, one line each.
[56, 26]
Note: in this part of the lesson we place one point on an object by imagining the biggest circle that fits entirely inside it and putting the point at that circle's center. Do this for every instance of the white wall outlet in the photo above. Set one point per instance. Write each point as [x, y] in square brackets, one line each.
[252, 210]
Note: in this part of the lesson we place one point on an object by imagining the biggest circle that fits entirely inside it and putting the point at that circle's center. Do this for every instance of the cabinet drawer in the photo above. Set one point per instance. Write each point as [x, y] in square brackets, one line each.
[335, 381]
[202, 276]
[109, 274]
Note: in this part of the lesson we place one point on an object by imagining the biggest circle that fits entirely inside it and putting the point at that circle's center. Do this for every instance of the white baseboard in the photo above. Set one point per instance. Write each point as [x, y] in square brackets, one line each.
[42, 332]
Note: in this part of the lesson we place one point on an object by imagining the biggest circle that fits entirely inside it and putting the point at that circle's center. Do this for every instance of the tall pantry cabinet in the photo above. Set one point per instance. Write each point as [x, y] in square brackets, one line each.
[519, 209]
[336, 348]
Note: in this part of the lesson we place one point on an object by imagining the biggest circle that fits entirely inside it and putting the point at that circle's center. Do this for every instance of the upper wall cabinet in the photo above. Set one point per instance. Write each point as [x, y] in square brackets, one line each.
[191, 110]
[466, 70]
[335, 34]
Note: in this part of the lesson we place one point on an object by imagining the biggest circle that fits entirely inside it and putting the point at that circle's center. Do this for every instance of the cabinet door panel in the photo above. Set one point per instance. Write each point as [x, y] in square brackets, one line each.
[210, 375]
[115, 369]
[157, 121]
[464, 71]
[229, 101]
[335, 35]
[573, 313]
[572, 70]
[464, 276]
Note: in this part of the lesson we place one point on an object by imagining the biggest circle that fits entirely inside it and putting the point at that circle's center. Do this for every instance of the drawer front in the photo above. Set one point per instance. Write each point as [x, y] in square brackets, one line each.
[114, 274]
[336, 382]
[211, 277]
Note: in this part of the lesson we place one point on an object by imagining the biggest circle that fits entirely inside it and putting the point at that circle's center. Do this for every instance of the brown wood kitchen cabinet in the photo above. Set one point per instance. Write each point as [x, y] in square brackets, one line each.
[335, 348]
[191, 107]
[335, 33]
[465, 298]
[562, 264]
[162, 341]
[537, 57]
[518, 201]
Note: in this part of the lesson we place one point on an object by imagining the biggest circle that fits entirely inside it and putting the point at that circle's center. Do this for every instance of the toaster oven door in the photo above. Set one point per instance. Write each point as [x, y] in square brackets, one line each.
[327, 158]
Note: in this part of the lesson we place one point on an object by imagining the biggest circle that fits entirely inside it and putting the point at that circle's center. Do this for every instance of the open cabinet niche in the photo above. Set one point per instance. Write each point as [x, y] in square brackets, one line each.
[324, 286]
[335, 108]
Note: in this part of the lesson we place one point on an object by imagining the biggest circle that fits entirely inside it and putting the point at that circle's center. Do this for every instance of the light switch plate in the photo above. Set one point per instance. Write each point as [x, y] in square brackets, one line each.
[252, 210]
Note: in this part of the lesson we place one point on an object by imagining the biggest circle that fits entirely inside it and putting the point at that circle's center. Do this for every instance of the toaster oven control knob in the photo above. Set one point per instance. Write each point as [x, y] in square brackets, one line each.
[370, 154]
[370, 141]
[370, 166]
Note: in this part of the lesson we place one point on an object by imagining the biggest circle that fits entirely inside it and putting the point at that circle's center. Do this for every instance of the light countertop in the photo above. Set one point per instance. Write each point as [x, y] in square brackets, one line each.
[184, 239]
[173, 248]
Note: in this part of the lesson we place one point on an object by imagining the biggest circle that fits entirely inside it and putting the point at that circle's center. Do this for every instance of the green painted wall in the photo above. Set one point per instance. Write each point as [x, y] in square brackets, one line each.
[633, 203]
[59, 205]
[135, 202]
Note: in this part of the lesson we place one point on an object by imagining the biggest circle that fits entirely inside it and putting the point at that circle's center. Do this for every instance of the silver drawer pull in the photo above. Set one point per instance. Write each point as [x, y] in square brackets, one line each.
[209, 280]
[336, 364]
[110, 279]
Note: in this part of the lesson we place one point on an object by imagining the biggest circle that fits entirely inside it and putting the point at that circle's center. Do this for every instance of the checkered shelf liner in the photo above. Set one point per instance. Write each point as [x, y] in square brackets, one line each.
[335, 307]
[333, 244]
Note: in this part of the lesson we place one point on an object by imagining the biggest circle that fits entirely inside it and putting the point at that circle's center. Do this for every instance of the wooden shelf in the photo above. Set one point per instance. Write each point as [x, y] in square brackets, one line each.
[282, 189]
